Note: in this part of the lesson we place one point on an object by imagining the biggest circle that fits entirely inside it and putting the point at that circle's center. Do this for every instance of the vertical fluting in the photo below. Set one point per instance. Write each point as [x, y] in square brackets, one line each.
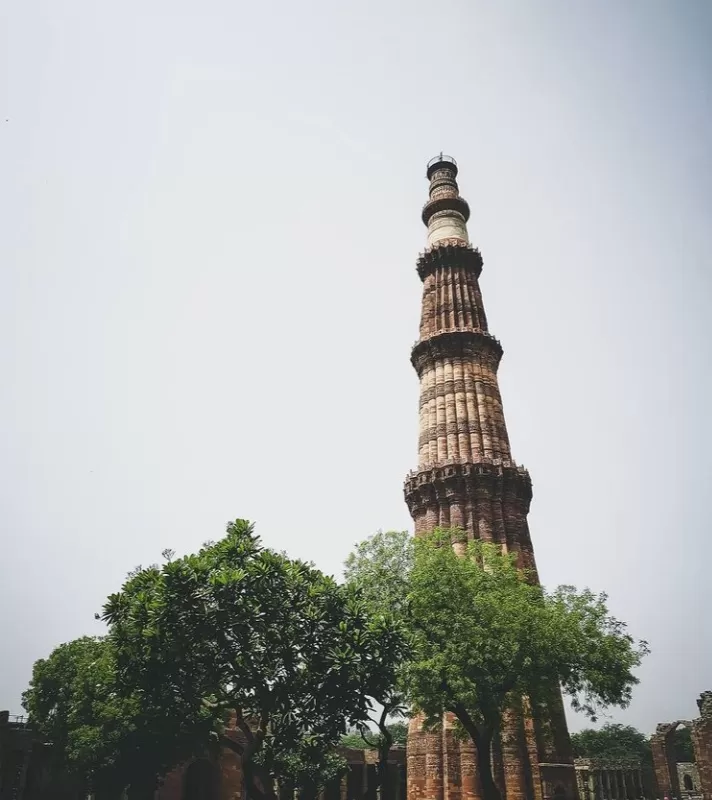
[461, 415]
[466, 479]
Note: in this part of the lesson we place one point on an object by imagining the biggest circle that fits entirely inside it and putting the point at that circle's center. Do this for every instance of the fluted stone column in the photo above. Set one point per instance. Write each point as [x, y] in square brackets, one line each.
[466, 478]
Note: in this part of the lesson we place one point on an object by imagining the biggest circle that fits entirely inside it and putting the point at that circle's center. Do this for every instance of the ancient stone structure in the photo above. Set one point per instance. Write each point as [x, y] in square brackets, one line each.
[702, 742]
[467, 478]
[24, 765]
[688, 779]
[603, 779]
[670, 777]
[208, 780]
[15, 751]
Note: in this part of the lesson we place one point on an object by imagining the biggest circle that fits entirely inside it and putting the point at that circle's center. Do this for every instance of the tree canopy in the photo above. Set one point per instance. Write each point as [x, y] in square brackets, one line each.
[239, 632]
[379, 569]
[398, 732]
[107, 739]
[616, 741]
[682, 744]
[612, 741]
[485, 635]
[240, 629]
[380, 566]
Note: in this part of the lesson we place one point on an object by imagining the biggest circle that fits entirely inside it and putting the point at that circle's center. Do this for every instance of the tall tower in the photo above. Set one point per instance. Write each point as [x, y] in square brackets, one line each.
[466, 479]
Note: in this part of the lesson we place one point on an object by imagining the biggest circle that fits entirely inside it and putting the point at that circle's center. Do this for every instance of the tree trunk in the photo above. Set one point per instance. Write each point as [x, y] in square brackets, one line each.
[252, 772]
[308, 792]
[383, 791]
[483, 744]
[385, 742]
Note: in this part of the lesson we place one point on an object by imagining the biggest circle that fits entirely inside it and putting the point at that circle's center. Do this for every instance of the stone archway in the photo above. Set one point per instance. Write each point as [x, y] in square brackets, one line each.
[664, 761]
[201, 780]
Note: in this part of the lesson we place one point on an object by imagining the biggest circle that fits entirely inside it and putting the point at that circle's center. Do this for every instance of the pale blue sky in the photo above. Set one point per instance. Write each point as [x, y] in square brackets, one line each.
[207, 289]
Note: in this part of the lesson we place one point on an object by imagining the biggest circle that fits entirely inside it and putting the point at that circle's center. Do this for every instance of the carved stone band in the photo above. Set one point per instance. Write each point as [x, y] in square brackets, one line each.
[458, 204]
[471, 345]
[449, 253]
[463, 482]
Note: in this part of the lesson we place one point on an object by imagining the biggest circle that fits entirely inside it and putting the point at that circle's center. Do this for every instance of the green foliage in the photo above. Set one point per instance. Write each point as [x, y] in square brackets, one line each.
[310, 768]
[485, 634]
[239, 628]
[397, 730]
[104, 738]
[612, 741]
[379, 568]
[68, 692]
[353, 739]
[682, 745]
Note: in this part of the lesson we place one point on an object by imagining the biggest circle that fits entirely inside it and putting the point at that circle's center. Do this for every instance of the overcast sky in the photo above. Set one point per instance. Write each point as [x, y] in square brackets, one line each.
[210, 220]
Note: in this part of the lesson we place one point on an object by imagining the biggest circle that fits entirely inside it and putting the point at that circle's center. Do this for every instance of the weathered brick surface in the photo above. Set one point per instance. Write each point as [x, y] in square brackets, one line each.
[702, 741]
[667, 774]
[208, 779]
[466, 478]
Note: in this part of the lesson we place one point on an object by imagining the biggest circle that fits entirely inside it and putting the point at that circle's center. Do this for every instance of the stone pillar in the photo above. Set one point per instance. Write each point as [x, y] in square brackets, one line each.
[451, 746]
[513, 754]
[416, 759]
[593, 784]
[469, 772]
[434, 766]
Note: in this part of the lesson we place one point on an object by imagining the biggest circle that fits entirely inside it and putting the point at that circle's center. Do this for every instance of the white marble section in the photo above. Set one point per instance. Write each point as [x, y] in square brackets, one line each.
[451, 226]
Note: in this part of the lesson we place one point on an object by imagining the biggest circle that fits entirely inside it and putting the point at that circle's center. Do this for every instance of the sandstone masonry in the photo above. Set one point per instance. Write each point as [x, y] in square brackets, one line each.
[467, 478]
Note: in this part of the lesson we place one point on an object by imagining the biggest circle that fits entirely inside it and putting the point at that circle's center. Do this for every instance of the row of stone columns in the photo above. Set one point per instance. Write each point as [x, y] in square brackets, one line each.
[611, 784]
[364, 786]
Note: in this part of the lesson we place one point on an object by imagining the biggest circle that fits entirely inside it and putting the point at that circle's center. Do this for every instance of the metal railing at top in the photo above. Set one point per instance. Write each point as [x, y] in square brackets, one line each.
[441, 157]
[16, 719]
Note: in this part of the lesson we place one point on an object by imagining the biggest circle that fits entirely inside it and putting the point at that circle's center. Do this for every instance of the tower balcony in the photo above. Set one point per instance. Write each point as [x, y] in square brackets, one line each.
[453, 203]
[449, 253]
[461, 343]
[465, 484]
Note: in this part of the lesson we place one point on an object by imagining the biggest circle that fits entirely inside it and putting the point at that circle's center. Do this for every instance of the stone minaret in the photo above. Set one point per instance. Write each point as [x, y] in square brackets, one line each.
[466, 479]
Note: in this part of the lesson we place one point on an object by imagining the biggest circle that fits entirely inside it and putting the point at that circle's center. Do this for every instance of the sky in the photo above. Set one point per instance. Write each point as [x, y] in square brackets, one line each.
[210, 220]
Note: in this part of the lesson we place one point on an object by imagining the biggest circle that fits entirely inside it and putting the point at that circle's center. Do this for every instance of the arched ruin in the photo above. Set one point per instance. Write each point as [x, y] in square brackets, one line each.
[673, 782]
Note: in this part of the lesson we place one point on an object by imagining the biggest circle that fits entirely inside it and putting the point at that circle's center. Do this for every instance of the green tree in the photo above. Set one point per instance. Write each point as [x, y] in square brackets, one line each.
[379, 568]
[239, 629]
[309, 768]
[682, 744]
[106, 740]
[397, 730]
[612, 741]
[485, 635]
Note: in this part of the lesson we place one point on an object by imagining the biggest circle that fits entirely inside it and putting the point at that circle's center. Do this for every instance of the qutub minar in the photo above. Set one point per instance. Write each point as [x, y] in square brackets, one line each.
[466, 478]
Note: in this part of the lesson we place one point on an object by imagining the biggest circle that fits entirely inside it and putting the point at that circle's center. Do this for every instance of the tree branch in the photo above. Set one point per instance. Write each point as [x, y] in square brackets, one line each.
[384, 716]
[362, 731]
[231, 744]
[243, 726]
[467, 722]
